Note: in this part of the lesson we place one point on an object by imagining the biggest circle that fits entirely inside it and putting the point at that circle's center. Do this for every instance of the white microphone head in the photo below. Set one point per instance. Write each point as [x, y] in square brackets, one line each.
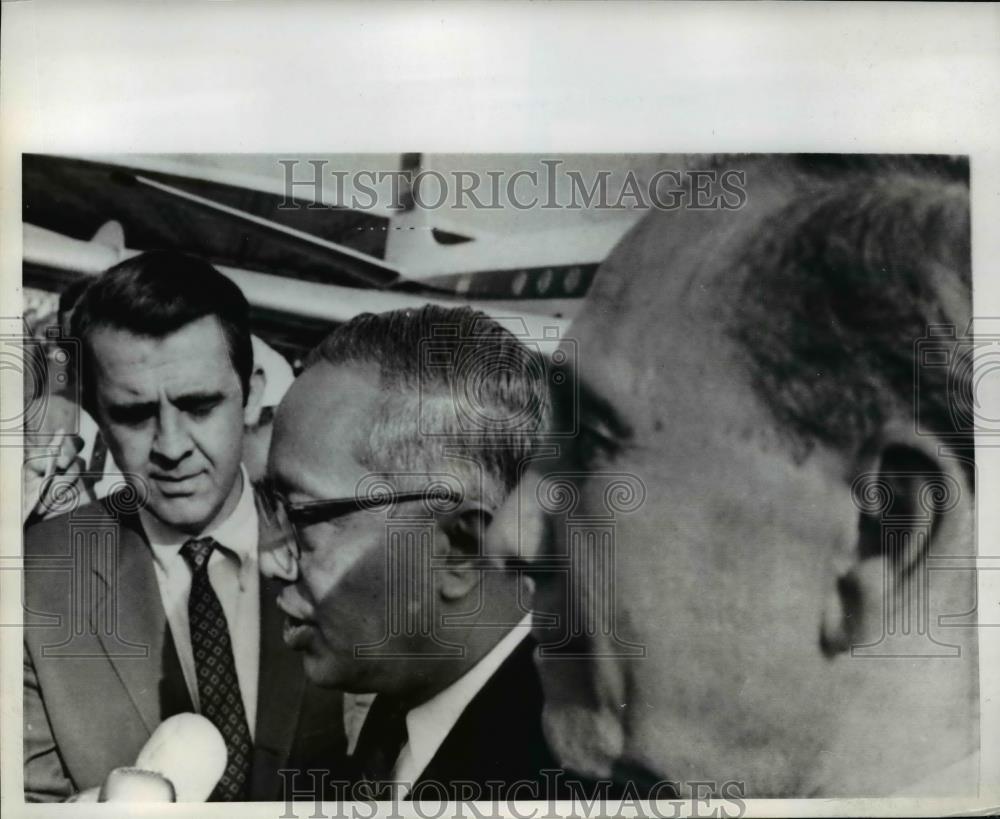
[136, 785]
[189, 751]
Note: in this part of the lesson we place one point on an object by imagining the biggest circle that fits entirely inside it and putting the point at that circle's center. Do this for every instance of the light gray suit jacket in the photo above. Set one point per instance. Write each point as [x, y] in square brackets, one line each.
[101, 672]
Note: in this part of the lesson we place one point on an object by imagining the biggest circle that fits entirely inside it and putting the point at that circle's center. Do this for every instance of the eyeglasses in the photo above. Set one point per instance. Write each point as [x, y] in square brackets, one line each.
[285, 517]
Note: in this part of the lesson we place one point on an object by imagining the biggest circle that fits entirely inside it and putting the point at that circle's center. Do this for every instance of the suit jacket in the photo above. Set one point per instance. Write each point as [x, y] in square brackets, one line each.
[498, 739]
[495, 750]
[101, 671]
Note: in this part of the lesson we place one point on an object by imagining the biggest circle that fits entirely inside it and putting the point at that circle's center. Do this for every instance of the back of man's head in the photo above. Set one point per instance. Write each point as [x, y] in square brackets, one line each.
[157, 293]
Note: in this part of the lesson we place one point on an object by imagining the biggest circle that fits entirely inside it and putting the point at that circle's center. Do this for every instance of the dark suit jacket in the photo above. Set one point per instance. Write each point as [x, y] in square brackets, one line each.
[497, 739]
[101, 671]
[496, 749]
[499, 747]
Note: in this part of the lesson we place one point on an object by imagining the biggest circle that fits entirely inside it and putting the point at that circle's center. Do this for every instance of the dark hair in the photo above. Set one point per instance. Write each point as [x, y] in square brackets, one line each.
[455, 383]
[69, 296]
[157, 293]
[841, 283]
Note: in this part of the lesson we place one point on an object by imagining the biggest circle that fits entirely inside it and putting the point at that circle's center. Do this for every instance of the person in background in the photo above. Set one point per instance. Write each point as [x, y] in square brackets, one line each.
[276, 376]
[67, 448]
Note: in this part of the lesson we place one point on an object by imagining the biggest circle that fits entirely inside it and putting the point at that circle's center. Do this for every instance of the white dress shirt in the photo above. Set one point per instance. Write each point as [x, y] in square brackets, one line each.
[232, 571]
[429, 724]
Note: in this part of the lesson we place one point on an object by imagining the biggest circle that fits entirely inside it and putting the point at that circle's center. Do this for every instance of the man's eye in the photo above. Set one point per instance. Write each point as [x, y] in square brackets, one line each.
[130, 416]
[199, 409]
[595, 442]
[269, 500]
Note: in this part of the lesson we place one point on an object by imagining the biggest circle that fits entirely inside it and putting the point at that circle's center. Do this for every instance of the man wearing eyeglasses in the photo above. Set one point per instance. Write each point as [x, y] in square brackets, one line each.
[149, 602]
[390, 454]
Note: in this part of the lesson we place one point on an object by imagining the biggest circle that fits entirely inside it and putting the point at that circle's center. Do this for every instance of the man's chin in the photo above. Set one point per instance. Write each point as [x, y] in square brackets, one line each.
[318, 668]
[335, 672]
[184, 513]
[585, 741]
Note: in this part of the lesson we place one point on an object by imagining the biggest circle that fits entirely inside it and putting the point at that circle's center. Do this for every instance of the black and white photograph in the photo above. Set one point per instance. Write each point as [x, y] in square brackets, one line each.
[623, 482]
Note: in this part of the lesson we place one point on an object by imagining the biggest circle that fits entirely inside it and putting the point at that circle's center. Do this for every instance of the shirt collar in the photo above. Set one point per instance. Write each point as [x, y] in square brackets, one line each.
[238, 533]
[429, 723]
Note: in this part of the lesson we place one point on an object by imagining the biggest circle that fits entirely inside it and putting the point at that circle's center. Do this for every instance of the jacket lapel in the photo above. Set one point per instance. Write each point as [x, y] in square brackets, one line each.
[130, 622]
[281, 680]
[281, 677]
[279, 695]
[132, 627]
[507, 710]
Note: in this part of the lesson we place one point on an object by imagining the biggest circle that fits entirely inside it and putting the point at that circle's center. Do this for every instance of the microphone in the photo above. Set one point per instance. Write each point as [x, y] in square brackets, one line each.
[181, 762]
[136, 785]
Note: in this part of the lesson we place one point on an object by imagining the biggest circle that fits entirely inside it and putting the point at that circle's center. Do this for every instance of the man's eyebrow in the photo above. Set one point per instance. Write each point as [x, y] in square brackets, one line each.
[575, 405]
[594, 407]
[284, 487]
[198, 397]
[132, 406]
[126, 407]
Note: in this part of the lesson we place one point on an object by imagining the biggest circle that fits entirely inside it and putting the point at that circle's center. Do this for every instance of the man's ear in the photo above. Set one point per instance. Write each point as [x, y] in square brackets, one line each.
[909, 498]
[464, 532]
[255, 397]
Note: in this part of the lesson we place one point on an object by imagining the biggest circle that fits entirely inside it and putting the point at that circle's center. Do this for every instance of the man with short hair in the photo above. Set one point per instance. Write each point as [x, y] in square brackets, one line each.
[149, 603]
[390, 454]
[805, 535]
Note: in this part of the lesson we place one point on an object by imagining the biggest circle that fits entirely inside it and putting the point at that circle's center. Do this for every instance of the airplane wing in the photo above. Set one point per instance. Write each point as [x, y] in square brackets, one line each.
[291, 314]
[226, 224]
[305, 263]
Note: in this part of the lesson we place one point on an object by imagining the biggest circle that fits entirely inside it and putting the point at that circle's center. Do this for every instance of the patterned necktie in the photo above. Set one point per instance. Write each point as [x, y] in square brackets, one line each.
[382, 737]
[218, 685]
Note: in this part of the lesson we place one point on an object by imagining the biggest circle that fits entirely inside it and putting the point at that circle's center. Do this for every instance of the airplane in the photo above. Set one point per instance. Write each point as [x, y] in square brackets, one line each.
[306, 255]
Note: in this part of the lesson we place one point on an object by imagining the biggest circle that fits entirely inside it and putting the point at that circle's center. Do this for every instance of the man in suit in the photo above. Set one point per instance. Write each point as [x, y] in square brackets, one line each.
[149, 603]
[799, 575]
[390, 453]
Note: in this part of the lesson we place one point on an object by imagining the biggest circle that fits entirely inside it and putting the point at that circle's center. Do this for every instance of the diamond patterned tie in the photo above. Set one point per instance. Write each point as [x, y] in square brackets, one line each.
[382, 737]
[218, 685]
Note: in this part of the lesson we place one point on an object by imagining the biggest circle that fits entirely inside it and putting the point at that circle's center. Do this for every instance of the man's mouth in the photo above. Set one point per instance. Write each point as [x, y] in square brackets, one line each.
[176, 484]
[297, 632]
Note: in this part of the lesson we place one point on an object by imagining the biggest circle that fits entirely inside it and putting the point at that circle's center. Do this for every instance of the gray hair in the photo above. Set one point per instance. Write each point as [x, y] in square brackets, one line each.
[458, 389]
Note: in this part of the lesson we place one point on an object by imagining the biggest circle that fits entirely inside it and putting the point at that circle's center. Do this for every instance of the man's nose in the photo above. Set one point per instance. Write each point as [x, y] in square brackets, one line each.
[293, 604]
[277, 562]
[517, 533]
[172, 442]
